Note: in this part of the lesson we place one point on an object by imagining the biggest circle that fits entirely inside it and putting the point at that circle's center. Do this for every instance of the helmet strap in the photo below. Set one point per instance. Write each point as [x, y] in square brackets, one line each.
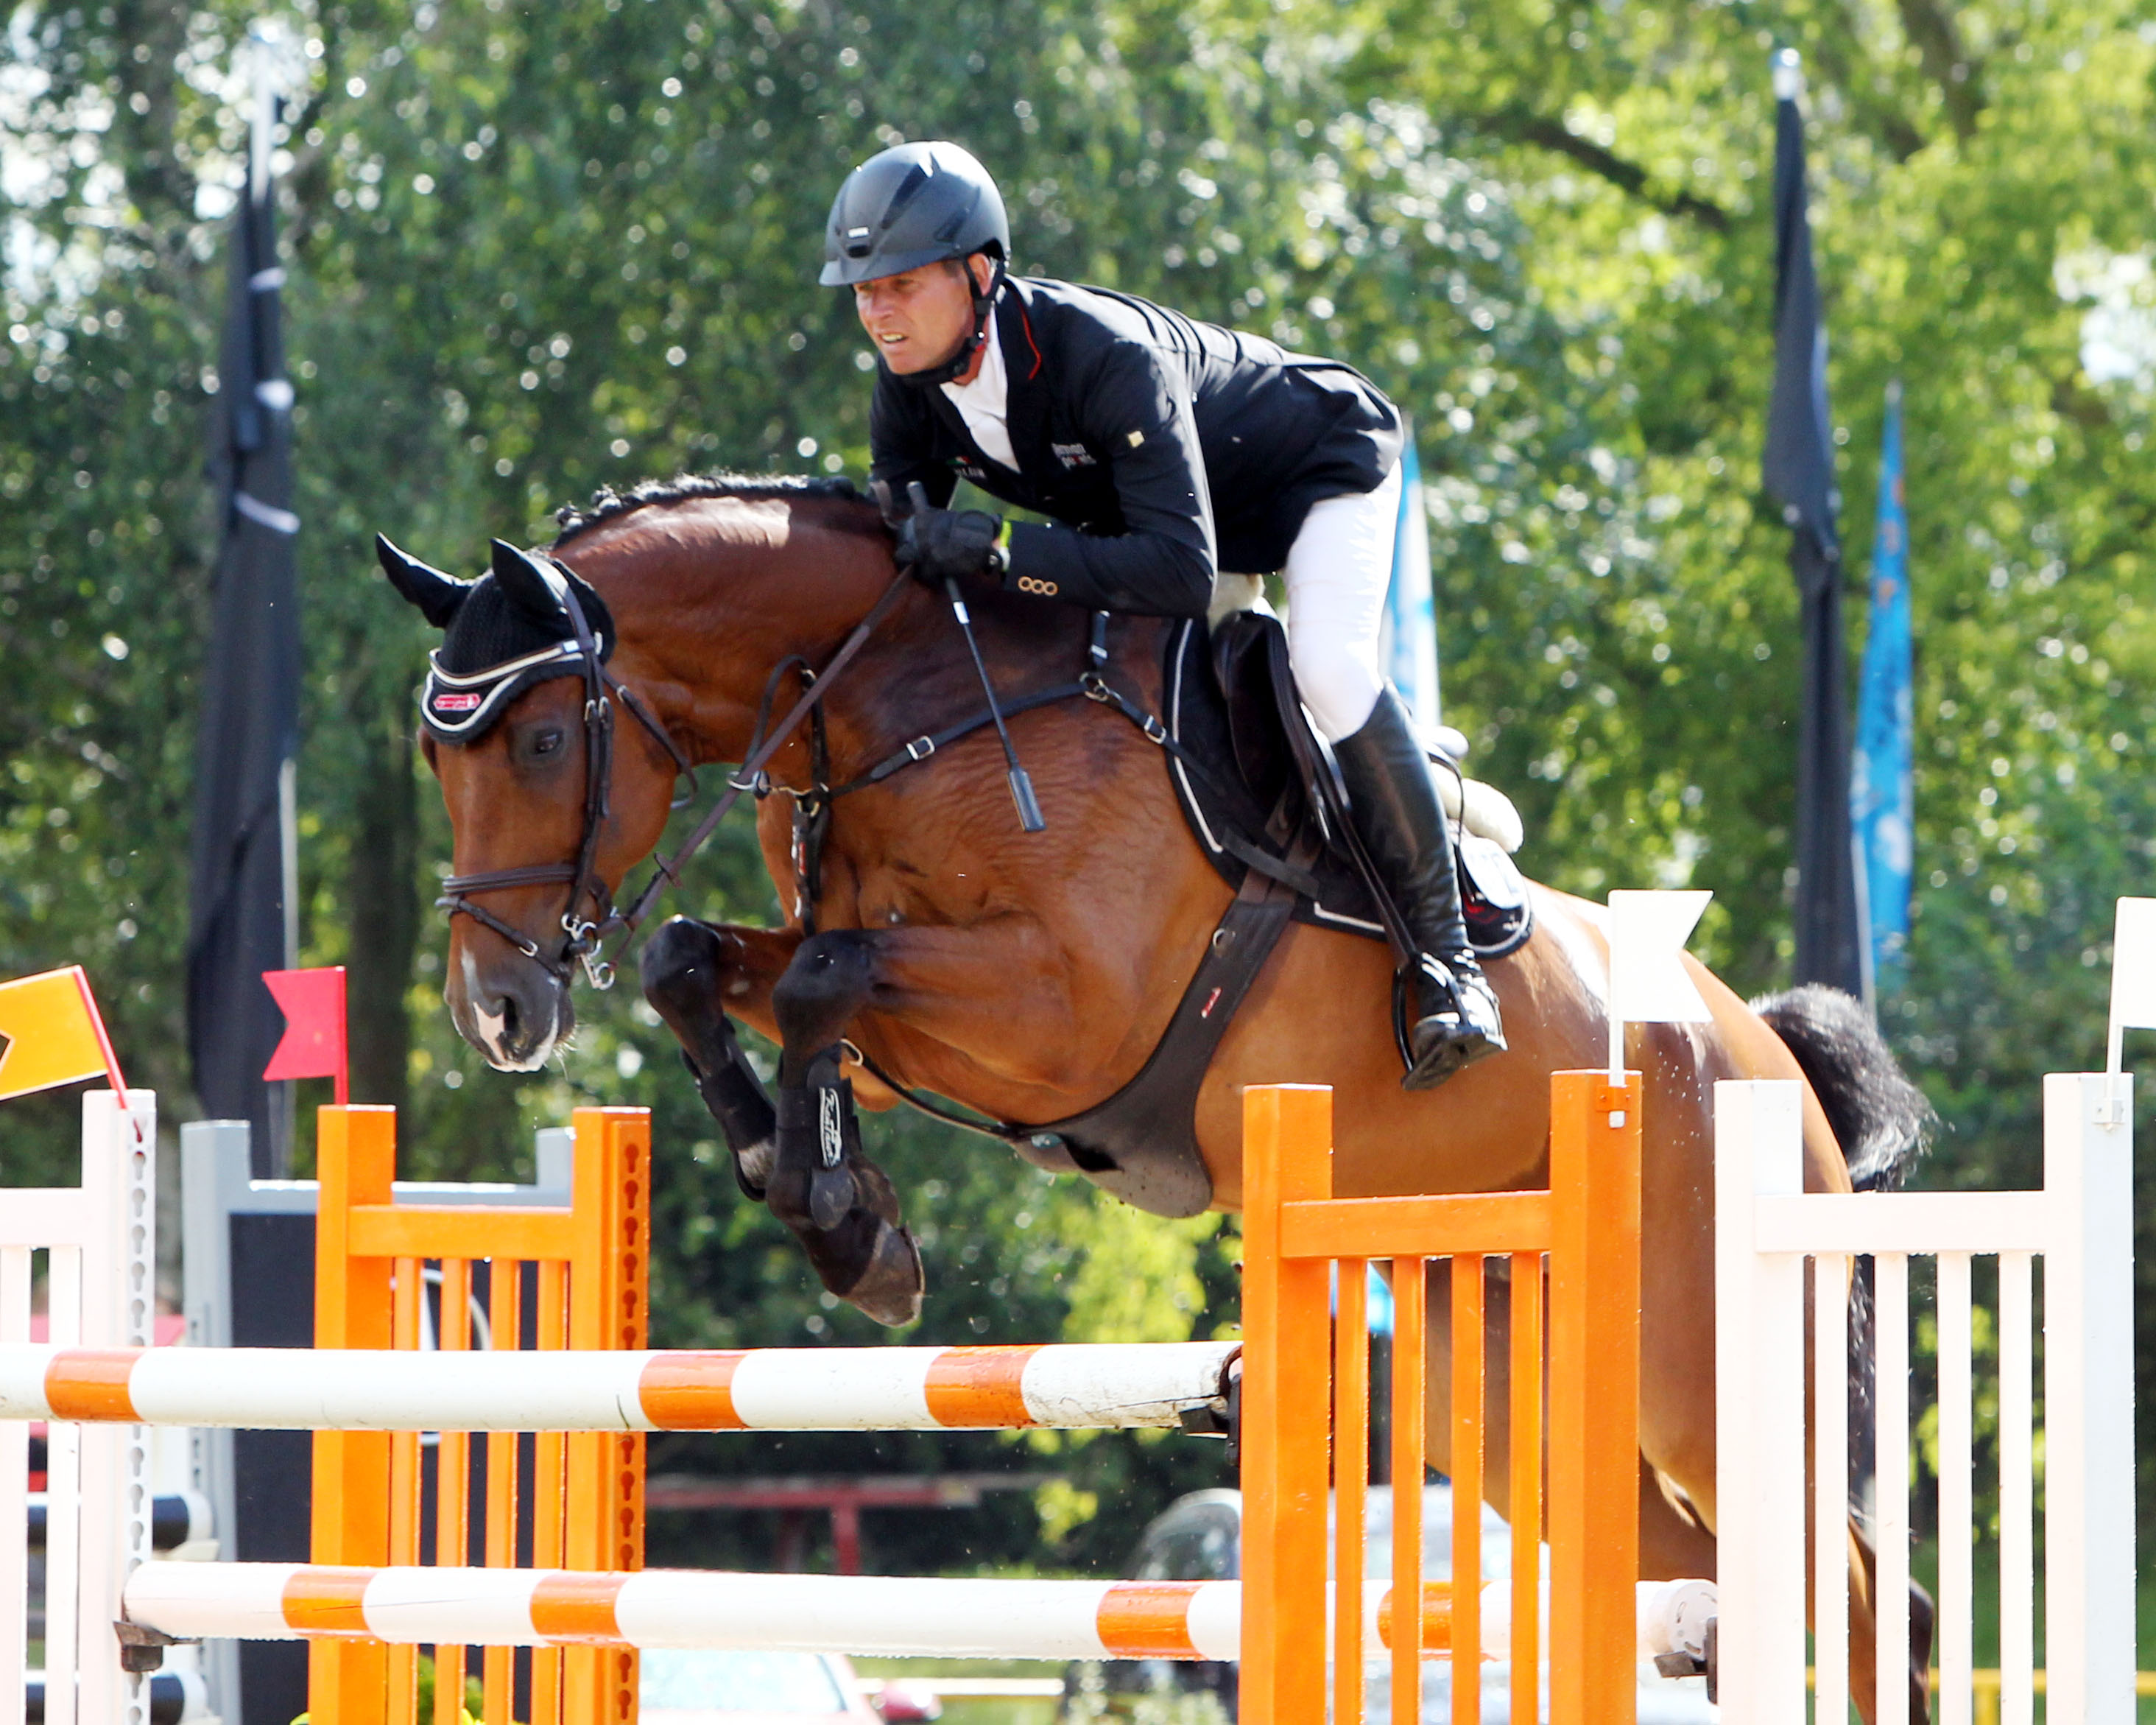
[984, 300]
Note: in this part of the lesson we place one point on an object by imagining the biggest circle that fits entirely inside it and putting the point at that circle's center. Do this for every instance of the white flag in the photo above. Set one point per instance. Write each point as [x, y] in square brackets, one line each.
[2132, 972]
[1648, 981]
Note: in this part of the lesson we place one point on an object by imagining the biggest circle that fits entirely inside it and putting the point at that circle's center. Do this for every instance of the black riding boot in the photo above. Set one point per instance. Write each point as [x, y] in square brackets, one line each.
[1402, 825]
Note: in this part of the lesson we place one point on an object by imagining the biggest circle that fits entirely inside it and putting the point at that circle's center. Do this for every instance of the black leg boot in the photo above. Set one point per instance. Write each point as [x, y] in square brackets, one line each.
[1403, 827]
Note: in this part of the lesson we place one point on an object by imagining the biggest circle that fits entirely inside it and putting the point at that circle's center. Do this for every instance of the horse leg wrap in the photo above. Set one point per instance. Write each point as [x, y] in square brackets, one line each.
[819, 1137]
[683, 966]
[839, 1204]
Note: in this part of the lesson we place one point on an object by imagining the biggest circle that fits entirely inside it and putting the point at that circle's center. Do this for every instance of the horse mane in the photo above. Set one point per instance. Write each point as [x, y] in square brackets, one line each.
[608, 504]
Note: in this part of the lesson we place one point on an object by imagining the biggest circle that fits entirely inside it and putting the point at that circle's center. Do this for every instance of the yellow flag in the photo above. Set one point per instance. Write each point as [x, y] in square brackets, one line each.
[54, 1034]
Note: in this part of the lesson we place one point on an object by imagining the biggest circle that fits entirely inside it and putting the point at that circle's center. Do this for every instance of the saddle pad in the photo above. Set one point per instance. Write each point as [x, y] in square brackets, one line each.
[1216, 798]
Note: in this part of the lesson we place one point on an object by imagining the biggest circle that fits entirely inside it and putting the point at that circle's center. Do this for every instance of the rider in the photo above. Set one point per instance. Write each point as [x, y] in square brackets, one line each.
[1178, 449]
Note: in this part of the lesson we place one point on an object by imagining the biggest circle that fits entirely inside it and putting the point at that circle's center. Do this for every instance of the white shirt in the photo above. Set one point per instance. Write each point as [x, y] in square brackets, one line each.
[981, 402]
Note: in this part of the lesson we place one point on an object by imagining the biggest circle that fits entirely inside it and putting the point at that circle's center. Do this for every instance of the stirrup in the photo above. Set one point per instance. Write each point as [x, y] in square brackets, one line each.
[1465, 1029]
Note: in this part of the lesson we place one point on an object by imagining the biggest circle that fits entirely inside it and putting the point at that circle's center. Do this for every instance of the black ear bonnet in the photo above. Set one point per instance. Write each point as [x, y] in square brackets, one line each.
[505, 633]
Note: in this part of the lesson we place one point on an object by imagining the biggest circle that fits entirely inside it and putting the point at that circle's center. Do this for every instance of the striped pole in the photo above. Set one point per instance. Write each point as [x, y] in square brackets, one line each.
[884, 1616]
[1066, 1386]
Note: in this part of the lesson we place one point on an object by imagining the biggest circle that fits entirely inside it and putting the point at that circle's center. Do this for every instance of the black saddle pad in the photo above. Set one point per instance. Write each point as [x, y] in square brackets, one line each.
[1243, 786]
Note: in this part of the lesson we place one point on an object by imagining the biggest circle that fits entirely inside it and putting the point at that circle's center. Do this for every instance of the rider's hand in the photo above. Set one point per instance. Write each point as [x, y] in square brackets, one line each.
[935, 545]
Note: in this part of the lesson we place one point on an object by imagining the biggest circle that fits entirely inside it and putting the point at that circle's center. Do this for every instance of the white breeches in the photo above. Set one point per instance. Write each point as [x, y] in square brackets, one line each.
[1337, 573]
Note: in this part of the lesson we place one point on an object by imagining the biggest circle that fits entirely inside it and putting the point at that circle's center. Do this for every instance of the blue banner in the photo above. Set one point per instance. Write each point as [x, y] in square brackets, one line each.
[1882, 791]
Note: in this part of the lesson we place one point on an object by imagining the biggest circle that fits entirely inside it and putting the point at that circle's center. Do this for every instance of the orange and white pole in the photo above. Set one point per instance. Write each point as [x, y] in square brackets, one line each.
[1069, 1386]
[885, 1616]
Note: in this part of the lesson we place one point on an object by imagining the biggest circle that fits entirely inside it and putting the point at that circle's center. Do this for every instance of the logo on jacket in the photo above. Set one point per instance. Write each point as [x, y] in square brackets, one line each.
[977, 474]
[1074, 455]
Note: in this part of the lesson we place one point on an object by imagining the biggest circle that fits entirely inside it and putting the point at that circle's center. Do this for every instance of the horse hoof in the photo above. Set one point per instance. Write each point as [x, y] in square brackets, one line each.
[891, 1288]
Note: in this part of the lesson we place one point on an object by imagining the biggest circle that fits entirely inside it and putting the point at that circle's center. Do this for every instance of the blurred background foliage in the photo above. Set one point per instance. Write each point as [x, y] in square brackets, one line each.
[537, 249]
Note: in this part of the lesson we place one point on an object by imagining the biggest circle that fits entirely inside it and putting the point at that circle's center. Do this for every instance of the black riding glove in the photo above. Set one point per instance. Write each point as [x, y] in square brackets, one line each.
[935, 545]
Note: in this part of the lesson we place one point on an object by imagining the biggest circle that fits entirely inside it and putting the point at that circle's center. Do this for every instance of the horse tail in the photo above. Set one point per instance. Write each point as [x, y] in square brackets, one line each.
[1882, 1121]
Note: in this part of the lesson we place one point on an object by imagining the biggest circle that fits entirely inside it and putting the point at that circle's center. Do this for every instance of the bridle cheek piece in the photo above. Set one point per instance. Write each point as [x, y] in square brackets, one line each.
[583, 658]
[584, 937]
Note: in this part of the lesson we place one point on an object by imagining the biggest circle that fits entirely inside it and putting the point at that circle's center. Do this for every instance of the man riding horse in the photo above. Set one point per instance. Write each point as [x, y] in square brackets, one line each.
[1176, 449]
[937, 952]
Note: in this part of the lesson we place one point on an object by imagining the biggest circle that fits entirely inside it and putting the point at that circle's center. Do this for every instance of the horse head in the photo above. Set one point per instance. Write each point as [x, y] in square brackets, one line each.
[521, 714]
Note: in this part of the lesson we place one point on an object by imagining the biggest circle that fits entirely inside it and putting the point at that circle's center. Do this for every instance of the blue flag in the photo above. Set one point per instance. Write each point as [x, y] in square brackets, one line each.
[1882, 791]
[1409, 645]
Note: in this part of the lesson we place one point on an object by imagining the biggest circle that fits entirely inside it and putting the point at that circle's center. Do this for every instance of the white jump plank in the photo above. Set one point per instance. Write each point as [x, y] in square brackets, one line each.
[1957, 1495]
[1891, 1416]
[2017, 1573]
[1906, 1222]
[1830, 1486]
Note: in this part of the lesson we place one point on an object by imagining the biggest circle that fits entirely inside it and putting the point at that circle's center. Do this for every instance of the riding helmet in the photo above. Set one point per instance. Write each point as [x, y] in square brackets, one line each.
[912, 204]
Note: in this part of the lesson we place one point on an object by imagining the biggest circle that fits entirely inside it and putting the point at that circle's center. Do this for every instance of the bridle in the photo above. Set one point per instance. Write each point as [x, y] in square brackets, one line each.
[583, 937]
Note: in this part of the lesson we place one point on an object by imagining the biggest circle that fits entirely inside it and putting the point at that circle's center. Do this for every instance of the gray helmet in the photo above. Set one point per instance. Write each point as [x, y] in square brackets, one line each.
[911, 205]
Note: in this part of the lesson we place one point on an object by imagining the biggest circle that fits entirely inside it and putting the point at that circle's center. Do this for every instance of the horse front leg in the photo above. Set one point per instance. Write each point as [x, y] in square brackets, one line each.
[949, 986]
[692, 972]
[838, 1204]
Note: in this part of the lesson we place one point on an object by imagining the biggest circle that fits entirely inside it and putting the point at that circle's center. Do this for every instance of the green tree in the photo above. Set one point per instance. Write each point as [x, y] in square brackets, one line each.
[537, 249]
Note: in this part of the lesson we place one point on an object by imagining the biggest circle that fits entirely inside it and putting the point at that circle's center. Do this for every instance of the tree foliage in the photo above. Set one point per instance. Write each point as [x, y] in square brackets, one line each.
[537, 249]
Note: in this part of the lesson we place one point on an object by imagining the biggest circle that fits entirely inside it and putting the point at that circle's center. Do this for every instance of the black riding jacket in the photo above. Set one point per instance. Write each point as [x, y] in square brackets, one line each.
[1176, 449]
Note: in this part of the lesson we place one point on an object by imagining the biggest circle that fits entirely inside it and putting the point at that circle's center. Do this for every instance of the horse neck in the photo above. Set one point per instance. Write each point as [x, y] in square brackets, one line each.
[706, 614]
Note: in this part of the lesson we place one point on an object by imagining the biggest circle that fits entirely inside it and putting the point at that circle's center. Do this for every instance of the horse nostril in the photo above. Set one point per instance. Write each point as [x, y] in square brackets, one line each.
[508, 1016]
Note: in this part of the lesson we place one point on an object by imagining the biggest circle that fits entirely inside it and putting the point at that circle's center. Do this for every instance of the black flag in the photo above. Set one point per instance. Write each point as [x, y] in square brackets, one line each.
[250, 710]
[1799, 474]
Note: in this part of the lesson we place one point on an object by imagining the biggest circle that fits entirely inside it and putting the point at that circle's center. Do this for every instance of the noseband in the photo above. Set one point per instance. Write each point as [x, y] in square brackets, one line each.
[583, 937]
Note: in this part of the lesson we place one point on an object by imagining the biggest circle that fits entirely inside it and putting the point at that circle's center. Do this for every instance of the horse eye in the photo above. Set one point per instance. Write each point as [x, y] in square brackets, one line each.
[546, 743]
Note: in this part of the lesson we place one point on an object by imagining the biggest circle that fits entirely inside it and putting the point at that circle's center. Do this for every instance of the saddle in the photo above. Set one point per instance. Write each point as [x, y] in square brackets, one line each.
[1264, 800]
[1263, 773]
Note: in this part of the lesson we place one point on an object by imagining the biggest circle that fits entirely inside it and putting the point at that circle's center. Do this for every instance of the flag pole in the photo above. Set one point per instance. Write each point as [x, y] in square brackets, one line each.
[104, 1037]
[244, 895]
[1798, 470]
[105, 1048]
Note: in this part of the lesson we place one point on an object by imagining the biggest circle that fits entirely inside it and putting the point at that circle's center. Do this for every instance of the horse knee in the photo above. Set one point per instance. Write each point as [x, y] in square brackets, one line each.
[680, 967]
[825, 985]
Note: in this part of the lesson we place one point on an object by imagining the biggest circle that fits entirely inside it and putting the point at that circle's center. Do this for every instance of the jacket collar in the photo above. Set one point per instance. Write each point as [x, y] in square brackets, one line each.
[1025, 399]
[1026, 386]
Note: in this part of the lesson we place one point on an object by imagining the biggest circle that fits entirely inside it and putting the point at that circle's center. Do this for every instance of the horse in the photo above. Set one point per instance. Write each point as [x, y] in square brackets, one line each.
[1028, 974]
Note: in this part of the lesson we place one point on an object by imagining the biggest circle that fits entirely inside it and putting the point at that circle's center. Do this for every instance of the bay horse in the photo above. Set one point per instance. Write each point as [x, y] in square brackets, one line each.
[1028, 975]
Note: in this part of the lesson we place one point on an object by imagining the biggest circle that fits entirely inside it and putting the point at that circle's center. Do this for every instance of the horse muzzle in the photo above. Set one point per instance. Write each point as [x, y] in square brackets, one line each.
[512, 1009]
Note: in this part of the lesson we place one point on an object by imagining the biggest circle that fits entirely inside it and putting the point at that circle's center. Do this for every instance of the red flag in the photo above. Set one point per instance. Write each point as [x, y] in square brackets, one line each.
[313, 1003]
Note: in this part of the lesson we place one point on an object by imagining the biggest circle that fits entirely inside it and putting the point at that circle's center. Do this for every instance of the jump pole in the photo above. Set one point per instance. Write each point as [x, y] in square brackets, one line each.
[886, 1616]
[999, 1389]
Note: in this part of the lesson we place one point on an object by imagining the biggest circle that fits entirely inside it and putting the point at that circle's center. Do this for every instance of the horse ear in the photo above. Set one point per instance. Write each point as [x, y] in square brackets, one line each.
[526, 583]
[439, 597]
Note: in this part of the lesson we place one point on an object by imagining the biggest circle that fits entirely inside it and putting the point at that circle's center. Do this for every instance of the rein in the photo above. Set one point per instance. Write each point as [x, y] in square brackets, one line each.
[584, 937]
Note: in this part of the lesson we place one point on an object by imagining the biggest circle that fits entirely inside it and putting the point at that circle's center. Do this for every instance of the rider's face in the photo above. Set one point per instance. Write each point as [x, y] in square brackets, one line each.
[918, 318]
